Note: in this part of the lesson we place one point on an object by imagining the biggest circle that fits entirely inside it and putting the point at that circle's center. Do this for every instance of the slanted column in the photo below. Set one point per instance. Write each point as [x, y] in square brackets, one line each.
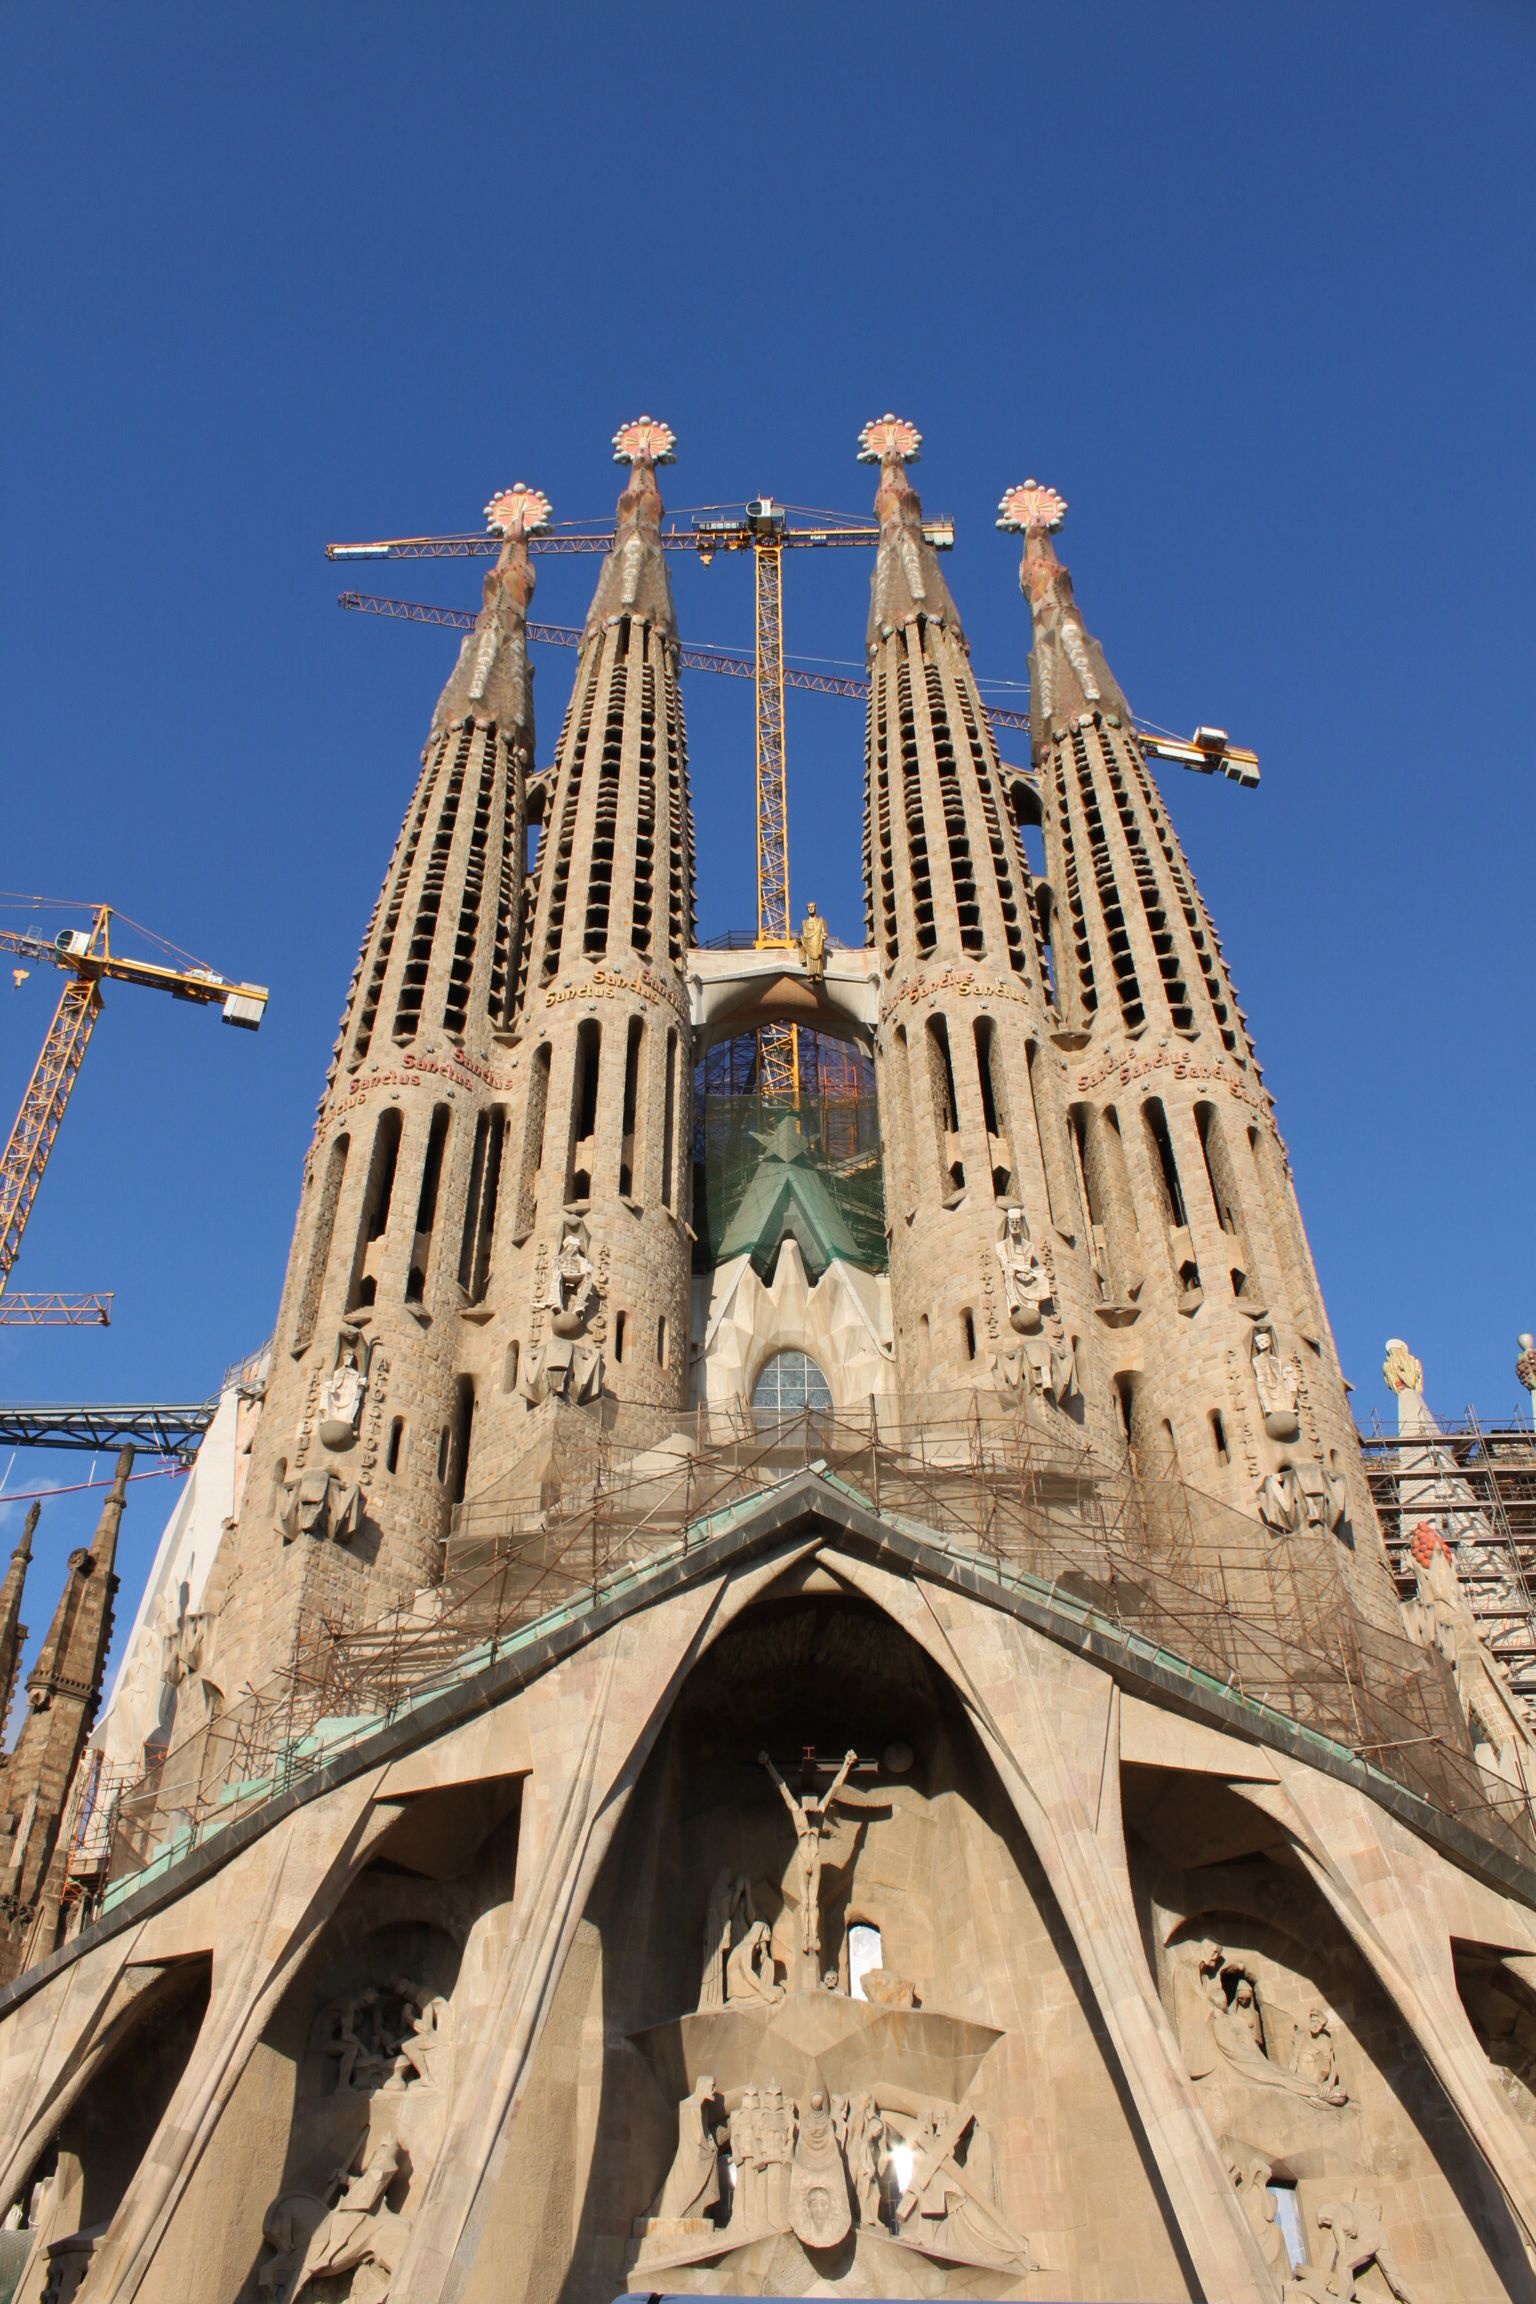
[600, 1295]
[1215, 1352]
[367, 1438]
[990, 1280]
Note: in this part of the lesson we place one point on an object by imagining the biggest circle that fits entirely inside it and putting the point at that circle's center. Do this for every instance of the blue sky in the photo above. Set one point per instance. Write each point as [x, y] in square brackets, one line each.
[1250, 286]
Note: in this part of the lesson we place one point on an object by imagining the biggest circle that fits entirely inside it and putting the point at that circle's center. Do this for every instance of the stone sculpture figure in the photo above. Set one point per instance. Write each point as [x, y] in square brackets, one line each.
[1250, 2178]
[360, 2228]
[864, 2149]
[420, 2039]
[287, 2228]
[1355, 2229]
[726, 1920]
[813, 944]
[1276, 1384]
[746, 2162]
[320, 1505]
[1314, 2058]
[343, 1393]
[1237, 2044]
[691, 2191]
[775, 2150]
[1280, 1501]
[820, 2210]
[811, 1815]
[945, 2208]
[1026, 1282]
[749, 1976]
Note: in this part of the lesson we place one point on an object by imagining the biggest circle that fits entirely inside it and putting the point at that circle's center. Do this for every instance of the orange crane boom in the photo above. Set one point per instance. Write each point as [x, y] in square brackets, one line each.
[88, 958]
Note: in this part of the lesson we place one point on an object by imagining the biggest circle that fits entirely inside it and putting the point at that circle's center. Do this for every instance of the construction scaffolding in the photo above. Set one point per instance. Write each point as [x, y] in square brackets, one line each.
[1151, 1569]
[1475, 1482]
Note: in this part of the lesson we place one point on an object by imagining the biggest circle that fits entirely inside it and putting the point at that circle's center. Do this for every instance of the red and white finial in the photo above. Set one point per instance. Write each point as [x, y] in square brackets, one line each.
[890, 437]
[518, 511]
[1032, 510]
[645, 441]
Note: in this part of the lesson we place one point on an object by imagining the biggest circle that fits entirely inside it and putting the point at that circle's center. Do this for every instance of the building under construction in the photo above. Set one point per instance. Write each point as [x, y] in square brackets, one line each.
[788, 1677]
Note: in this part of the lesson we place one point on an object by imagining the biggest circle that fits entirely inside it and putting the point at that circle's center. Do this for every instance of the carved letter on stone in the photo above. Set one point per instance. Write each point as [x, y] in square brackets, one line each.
[1275, 1382]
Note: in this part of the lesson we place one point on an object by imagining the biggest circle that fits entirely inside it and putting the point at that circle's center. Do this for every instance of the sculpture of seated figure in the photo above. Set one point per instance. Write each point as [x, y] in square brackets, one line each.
[749, 1972]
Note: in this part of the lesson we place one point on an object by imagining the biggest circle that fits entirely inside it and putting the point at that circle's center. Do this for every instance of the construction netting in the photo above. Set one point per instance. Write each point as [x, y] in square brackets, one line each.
[768, 1168]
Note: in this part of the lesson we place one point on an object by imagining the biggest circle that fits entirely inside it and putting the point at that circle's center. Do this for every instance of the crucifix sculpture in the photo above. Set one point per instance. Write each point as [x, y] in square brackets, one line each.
[811, 1814]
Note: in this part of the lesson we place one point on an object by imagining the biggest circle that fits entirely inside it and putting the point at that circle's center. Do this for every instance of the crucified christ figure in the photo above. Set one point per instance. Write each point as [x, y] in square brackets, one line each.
[811, 1815]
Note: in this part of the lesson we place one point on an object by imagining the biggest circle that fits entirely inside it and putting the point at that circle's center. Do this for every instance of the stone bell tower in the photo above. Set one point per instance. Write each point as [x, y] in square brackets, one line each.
[367, 1431]
[1212, 1337]
[990, 1282]
[603, 1166]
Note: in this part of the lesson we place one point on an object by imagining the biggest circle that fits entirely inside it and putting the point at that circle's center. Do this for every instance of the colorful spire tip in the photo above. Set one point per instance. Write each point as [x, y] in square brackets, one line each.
[890, 438]
[1034, 510]
[645, 441]
[517, 511]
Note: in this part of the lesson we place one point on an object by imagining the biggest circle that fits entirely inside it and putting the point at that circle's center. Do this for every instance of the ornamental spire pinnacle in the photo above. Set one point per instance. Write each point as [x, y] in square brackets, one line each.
[1068, 673]
[906, 584]
[634, 580]
[492, 682]
[13, 1632]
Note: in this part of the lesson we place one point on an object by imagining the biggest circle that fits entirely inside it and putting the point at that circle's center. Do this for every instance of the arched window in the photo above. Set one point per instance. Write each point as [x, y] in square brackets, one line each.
[790, 1383]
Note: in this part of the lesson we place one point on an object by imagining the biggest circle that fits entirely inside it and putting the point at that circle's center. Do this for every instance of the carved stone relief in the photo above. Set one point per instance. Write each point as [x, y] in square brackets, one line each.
[569, 1291]
[344, 1391]
[1277, 1382]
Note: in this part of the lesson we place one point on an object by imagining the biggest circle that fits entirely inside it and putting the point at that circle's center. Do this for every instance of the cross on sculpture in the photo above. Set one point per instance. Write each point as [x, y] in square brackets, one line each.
[1034, 510]
[645, 441]
[890, 438]
[517, 511]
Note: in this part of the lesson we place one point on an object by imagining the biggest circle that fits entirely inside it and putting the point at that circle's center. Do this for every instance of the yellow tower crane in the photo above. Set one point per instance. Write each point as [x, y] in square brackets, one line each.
[86, 955]
[764, 531]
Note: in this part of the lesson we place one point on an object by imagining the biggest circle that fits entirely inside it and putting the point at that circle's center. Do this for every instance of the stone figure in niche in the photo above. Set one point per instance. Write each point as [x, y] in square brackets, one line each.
[287, 2228]
[1026, 1282]
[949, 2206]
[422, 2036]
[729, 1916]
[322, 1505]
[360, 2228]
[573, 1292]
[1227, 2037]
[749, 1974]
[1315, 2059]
[813, 944]
[343, 1392]
[1276, 1383]
[1402, 1371]
[811, 1814]
[691, 2192]
[1250, 2179]
[820, 2209]
[1358, 2241]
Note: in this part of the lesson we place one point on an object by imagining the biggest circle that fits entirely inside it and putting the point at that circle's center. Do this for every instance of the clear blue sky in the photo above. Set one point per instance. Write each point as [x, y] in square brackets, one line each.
[1251, 285]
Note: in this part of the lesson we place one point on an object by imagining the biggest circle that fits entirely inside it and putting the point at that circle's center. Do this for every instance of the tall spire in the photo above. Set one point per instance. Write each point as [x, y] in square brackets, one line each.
[634, 579]
[1067, 666]
[13, 1633]
[1210, 1329]
[492, 682]
[63, 1691]
[907, 583]
[977, 1181]
[604, 1165]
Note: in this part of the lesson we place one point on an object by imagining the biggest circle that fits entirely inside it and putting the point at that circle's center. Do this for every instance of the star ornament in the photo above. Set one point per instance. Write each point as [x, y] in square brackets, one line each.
[889, 436]
[1035, 510]
[519, 511]
[646, 441]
